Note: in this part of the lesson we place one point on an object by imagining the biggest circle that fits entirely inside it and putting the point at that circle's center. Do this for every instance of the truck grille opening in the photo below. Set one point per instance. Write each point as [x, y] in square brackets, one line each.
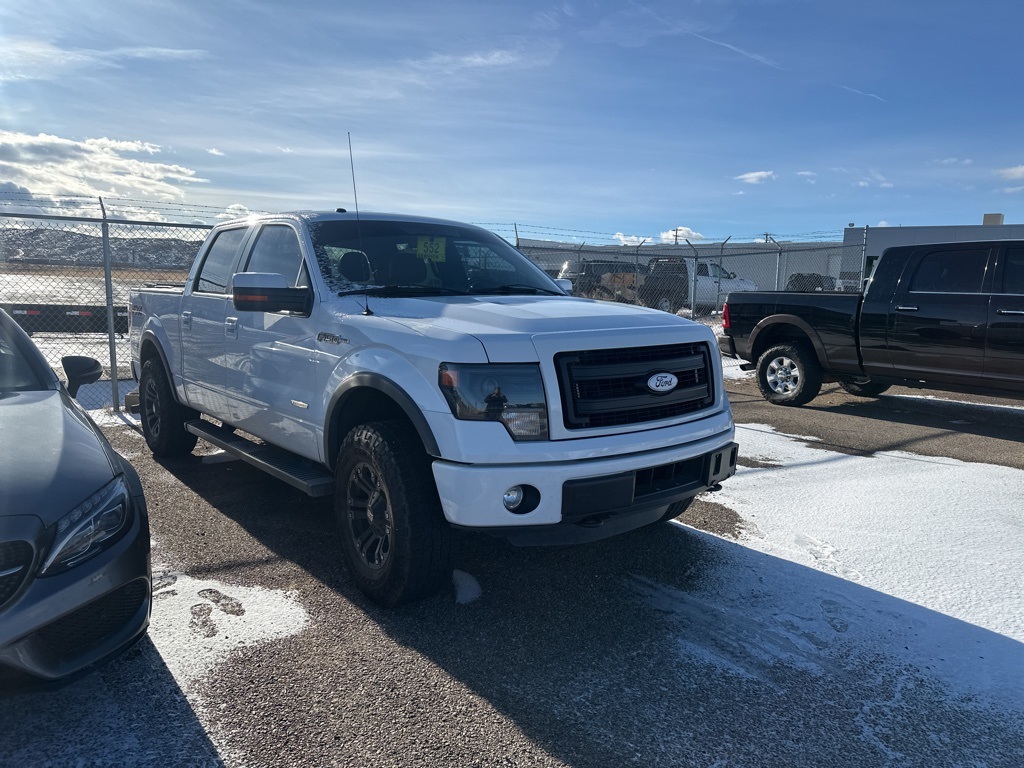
[608, 387]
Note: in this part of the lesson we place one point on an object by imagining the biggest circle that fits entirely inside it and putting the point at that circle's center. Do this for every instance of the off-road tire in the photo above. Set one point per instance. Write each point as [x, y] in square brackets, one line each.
[395, 540]
[163, 418]
[789, 374]
[675, 509]
[865, 389]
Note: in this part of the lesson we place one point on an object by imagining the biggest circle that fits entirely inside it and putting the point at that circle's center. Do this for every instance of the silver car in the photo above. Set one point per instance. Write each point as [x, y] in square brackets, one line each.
[75, 586]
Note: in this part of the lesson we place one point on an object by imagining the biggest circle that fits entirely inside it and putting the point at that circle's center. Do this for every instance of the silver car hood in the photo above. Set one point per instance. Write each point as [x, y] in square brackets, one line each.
[51, 458]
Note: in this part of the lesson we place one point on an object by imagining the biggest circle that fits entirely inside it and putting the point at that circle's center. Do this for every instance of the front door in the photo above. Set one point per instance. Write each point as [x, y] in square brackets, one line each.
[939, 315]
[272, 355]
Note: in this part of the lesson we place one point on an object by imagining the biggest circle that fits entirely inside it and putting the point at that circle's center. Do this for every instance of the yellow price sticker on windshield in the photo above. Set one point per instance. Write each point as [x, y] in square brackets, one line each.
[430, 248]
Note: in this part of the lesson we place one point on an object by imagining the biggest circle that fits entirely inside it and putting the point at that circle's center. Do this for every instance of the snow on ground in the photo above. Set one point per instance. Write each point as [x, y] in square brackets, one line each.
[936, 534]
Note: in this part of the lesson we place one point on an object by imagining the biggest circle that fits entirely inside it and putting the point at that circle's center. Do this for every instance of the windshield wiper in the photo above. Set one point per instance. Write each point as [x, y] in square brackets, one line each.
[404, 290]
[517, 289]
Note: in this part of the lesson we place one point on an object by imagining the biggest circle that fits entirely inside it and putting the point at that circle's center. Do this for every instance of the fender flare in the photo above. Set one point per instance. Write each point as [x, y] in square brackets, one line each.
[384, 385]
[774, 321]
[149, 336]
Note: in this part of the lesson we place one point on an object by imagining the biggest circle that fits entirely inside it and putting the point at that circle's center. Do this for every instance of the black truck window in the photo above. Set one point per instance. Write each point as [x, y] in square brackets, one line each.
[1013, 271]
[951, 271]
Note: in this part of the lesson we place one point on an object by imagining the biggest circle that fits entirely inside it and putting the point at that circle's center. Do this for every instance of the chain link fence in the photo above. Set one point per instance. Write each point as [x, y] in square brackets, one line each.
[66, 279]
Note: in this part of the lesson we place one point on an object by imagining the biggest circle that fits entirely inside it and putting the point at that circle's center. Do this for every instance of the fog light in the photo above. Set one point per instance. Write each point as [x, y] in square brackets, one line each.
[513, 498]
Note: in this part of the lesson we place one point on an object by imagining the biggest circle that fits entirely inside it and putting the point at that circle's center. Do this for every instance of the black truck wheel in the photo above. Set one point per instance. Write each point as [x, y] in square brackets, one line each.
[865, 389]
[675, 509]
[394, 537]
[163, 417]
[789, 374]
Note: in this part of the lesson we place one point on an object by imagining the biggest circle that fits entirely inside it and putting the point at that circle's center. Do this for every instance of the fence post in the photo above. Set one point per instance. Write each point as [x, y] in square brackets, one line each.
[693, 281]
[778, 261]
[108, 279]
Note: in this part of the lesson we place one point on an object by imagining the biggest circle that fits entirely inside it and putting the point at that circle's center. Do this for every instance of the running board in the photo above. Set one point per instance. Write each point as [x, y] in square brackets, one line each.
[308, 476]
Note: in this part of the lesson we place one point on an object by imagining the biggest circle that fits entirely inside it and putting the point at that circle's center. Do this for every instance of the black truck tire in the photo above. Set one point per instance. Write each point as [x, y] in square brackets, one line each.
[865, 389]
[676, 508]
[163, 418]
[396, 542]
[789, 374]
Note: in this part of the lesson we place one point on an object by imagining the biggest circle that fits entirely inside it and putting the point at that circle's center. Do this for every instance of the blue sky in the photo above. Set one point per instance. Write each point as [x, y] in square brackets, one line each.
[722, 117]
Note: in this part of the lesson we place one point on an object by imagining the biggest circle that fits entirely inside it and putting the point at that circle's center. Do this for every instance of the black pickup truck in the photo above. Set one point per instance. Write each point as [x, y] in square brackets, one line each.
[946, 316]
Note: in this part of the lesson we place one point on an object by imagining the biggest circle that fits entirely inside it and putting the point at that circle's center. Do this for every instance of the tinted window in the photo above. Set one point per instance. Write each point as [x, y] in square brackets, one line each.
[1013, 271]
[216, 269]
[952, 271]
[16, 373]
[277, 250]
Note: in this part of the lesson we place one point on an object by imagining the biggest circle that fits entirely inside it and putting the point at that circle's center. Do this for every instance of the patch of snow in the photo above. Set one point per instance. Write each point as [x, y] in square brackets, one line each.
[467, 588]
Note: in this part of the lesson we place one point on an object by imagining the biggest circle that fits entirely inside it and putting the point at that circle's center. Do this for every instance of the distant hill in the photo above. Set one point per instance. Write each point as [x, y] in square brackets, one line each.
[48, 245]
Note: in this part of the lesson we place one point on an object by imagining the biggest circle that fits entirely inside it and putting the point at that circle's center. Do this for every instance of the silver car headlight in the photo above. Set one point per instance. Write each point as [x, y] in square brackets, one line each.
[512, 393]
[91, 527]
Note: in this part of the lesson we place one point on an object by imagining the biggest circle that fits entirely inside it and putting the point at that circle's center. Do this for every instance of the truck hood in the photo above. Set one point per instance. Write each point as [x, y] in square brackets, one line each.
[51, 458]
[507, 325]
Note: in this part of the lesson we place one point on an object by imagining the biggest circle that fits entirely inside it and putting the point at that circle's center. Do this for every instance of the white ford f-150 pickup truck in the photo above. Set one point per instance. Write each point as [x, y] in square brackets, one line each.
[431, 377]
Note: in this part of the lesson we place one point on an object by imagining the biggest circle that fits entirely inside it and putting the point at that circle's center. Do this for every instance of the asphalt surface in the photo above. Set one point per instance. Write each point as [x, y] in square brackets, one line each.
[559, 662]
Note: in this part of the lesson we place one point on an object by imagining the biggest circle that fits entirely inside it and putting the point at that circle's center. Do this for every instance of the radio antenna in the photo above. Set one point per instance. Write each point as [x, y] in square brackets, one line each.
[352, 165]
[359, 233]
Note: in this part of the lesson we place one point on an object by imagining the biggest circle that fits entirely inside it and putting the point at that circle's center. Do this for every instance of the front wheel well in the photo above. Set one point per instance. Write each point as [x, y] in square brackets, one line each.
[360, 406]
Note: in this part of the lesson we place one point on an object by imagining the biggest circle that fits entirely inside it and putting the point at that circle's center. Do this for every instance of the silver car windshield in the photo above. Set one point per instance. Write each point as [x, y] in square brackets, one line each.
[422, 258]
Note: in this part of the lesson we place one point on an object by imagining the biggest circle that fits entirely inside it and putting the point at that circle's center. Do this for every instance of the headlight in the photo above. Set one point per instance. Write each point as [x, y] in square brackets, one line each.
[510, 393]
[90, 527]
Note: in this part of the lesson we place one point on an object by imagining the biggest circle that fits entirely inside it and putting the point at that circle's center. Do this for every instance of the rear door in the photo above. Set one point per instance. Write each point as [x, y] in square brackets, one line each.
[204, 310]
[939, 315]
[1004, 348]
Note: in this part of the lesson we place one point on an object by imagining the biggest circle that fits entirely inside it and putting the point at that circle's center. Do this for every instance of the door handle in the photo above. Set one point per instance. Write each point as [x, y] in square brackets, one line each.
[231, 327]
[186, 320]
[905, 309]
[1010, 311]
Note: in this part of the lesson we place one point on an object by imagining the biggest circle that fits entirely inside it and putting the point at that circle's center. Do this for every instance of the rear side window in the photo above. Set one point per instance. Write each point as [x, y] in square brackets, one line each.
[216, 270]
[1013, 271]
[277, 250]
[951, 271]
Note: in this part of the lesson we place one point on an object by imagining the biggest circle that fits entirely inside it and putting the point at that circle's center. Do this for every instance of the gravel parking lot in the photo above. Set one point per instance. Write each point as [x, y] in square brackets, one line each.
[708, 643]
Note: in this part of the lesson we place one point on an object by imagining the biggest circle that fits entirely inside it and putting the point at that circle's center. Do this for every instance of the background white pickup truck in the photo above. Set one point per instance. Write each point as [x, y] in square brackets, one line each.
[429, 376]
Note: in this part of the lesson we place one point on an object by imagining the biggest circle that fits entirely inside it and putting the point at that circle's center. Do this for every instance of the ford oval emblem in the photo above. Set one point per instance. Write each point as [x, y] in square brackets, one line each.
[662, 382]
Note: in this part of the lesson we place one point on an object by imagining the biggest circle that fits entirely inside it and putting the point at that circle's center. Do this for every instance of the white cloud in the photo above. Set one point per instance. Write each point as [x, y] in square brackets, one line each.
[1012, 174]
[1013, 190]
[863, 183]
[862, 93]
[215, 151]
[234, 211]
[51, 165]
[809, 176]
[679, 235]
[756, 177]
[631, 239]
[886, 185]
[883, 223]
[22, 59]
[953, 161]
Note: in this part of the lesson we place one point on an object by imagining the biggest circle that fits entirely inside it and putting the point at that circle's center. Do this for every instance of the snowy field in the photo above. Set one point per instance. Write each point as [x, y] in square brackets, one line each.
[895, 577]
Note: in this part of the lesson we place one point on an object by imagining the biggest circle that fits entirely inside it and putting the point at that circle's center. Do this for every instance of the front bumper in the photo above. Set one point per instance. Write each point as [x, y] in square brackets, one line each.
[62, 625]
[583, 500]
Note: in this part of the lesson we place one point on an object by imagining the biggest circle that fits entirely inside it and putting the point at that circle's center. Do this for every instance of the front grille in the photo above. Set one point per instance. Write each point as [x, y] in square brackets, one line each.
[608, 387]
[15, 565]
[94, 622]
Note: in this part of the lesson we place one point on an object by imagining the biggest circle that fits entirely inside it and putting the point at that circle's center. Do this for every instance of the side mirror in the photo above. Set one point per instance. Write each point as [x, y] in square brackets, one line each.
[80, 371]
[565, 284]
[269, 292]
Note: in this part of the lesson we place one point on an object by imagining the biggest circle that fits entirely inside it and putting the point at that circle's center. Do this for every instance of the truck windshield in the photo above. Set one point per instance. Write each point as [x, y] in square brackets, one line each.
[423, 258]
